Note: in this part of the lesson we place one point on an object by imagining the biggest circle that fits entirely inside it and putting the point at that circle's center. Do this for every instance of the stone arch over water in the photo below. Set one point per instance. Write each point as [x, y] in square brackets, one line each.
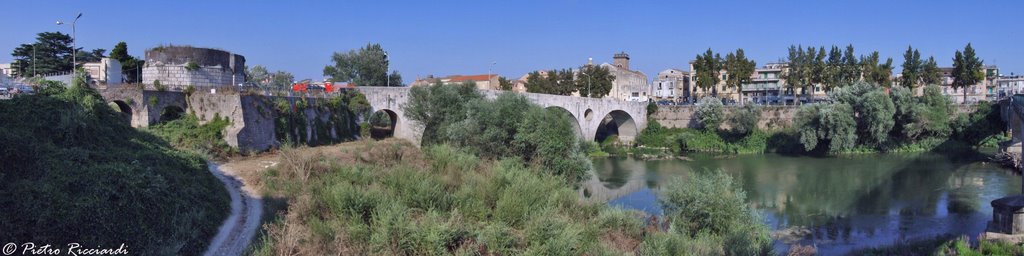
[574, 122]
[618, 123]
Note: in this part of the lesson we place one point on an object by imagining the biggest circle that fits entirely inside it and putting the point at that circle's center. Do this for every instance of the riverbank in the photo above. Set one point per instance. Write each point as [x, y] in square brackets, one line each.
[859, 118]
[388, 197]
[836, 204]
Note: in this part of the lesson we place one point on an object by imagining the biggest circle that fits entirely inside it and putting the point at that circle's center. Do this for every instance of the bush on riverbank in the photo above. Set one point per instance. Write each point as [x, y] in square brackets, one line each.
[444, 200]
[187, 134]
[710, 207]
[508, 126]
[860, 118]
[74, 171]
[897, 122]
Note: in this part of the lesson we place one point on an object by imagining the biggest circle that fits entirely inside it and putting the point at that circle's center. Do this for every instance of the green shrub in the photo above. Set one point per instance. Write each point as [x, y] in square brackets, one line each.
[830, 125]
[509, 126]
[159, 86]
[651, 108]
[191, 66]
[710, 203]
[187, 134]
[744, 120]
[189, 90]
[709, 113]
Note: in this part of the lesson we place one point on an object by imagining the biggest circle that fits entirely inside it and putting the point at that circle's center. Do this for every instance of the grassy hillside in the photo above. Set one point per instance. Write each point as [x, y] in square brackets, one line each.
[71, 170]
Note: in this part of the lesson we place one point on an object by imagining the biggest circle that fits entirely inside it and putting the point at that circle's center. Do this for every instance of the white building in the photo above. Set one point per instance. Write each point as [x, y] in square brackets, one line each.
[1009, 85]
[671, 84]
[8, 70]
[107, 71]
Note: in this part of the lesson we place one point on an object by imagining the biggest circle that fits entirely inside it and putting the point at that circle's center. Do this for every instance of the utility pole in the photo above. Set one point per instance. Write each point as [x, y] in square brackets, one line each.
[74, 47]
[489, 75]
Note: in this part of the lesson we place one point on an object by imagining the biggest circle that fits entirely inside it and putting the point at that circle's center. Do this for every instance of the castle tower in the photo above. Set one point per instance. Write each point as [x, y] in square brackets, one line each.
[622, 60]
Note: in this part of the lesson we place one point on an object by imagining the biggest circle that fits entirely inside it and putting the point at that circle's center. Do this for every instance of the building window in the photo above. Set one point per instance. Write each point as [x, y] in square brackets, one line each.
[636, 94]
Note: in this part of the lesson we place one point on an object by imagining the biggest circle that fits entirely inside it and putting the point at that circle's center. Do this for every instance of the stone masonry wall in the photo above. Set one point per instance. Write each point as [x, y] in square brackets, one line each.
[178, 76]
[772, 117]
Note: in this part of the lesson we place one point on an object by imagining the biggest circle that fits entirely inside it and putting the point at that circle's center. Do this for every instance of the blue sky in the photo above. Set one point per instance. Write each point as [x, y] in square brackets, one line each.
[465, 37]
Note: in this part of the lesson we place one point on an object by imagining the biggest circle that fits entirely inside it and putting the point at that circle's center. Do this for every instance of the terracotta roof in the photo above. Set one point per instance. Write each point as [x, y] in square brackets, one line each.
[458, 78]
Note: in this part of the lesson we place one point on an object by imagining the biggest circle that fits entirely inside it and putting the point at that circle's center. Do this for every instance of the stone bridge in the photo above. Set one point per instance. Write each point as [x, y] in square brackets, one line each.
[252, 122]
[589, 115]
[1012, 111]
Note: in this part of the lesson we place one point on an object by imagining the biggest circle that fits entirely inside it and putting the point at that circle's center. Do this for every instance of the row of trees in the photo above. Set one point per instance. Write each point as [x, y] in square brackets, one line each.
[709, 66]
[835, 68]
[590, 81]
[810, 67]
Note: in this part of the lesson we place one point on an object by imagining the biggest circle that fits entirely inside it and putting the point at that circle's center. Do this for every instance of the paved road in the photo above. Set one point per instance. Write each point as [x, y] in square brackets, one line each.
[240, 227]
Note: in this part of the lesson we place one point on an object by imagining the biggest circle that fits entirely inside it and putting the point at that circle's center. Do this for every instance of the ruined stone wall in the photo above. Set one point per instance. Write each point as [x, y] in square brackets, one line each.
[254, 119]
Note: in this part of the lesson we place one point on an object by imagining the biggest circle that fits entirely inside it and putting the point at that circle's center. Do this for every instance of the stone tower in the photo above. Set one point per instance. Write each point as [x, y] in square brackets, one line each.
[622, 60]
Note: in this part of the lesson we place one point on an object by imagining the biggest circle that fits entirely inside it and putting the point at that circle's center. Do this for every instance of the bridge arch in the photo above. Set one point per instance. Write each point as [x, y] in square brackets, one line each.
[573, 121]
[123, 109]
[618, 123]
[383, 123]
[170, 113]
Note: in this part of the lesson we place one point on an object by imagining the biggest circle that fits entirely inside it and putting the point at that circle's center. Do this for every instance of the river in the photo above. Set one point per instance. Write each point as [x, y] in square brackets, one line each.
[838, 203]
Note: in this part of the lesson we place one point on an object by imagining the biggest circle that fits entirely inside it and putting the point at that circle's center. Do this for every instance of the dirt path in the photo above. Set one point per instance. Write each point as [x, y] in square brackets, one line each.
[240, 227]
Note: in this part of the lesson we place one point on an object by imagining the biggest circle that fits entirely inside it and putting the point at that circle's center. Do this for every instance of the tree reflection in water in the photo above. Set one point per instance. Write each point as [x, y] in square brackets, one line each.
[846, 202]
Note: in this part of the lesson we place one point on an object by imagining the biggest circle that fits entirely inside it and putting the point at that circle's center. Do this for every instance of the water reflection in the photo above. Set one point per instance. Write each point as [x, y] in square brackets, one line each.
[840, 203]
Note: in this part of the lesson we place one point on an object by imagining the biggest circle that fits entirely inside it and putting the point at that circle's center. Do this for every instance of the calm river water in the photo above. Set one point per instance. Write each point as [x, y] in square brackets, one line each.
[839, 203]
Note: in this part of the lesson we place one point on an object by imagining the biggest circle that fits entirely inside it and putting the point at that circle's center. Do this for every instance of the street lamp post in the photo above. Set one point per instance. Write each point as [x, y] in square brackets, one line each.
[489, 75]
[74, 47]
[387, 68]
[588, 82]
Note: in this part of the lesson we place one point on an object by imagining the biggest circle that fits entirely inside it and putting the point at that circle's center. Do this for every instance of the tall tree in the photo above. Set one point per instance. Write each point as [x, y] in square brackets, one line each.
[875, 72]
[708, 67]
[912, 68]
[50, 53]
[833, 69]
[91, 56]
[967, 69]
[739, 70]
[366, 67]
[257, 75]
[796, 75]
[930, 74]
[130, 66]
[504, 84]
[851, 67]
[557, 82]
[281, 79]
[815, 67]
[594, 81]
